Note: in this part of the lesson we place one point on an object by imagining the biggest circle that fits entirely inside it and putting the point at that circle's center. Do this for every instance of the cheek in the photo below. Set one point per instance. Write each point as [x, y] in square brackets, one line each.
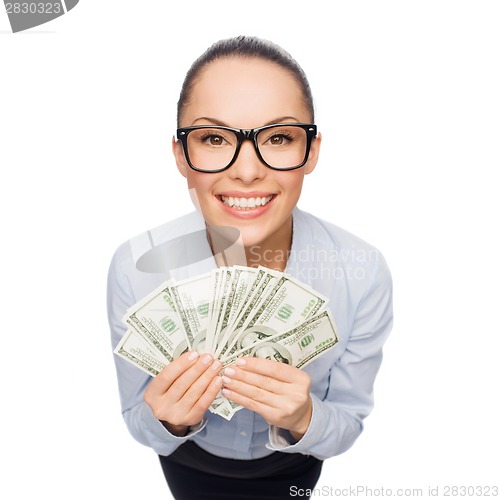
[292, 182]
[200, 190]
[200, 182]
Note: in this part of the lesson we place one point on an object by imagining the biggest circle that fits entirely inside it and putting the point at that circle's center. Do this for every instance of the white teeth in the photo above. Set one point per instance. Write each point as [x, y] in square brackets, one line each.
[243, 203]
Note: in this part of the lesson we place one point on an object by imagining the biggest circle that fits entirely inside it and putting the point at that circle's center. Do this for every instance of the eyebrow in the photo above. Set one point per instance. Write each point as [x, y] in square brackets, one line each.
[220, 123]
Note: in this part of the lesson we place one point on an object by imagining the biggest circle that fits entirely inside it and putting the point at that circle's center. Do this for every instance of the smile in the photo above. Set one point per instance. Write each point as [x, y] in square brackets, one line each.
[245, 203]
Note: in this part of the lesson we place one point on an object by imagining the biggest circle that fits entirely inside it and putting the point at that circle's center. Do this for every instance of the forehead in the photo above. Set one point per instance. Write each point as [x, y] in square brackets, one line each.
[245, 93]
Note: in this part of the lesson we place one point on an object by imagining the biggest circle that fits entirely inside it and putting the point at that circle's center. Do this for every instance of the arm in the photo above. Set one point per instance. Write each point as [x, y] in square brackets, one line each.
[300, 422]
[141, 422]
[337, 420]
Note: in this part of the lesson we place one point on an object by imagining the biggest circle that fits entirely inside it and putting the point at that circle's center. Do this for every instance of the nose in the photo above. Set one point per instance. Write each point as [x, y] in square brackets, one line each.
[247, 168]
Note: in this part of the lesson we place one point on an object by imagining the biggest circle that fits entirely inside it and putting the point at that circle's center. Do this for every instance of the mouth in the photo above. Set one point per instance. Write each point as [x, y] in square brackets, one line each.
[245, 203]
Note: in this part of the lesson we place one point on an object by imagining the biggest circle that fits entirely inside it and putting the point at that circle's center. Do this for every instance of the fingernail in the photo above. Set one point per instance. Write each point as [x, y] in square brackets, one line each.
[241, 362]
[207, 359]
[229, 371]
[226, 380]
[216, 365]
[226, 392]
[192, 355]
[218, 381]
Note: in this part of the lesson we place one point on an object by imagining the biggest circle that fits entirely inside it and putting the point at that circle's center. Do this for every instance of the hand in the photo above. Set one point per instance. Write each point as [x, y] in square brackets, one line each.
[277, 391]
[182, 392]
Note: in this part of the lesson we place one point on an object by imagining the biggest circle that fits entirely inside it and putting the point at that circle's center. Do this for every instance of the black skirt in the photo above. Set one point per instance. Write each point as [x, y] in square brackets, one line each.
[194, 474]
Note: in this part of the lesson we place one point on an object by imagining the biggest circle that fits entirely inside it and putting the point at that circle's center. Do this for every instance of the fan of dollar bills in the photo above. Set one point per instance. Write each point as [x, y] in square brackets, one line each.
[229, 312]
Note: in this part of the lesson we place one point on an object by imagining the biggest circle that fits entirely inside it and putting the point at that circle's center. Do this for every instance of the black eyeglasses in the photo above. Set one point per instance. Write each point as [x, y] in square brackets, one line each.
[211, 149]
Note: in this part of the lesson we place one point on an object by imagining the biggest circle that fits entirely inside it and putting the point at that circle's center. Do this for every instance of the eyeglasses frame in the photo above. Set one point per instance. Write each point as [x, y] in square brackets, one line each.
[247, 135]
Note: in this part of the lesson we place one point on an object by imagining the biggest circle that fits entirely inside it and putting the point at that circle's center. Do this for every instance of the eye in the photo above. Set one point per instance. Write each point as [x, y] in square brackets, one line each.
[279, 139]
[211, 139]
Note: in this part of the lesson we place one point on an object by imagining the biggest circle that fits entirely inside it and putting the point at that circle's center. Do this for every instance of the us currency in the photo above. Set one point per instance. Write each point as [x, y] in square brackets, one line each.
[236, 285]
[135, 349]
[156, 319]
[298, 346]
[192, 301]
[243, 282]
[220, 304]
[287, 304]
[263, 283]
[245, 278]
[223, 407]
[148, 297]
[214, 288]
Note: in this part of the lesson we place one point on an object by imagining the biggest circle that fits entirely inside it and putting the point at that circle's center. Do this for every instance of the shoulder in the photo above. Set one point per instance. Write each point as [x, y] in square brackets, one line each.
[349, 271]
[133, 249]
[149, 258]
[335, 262]
[316, 234]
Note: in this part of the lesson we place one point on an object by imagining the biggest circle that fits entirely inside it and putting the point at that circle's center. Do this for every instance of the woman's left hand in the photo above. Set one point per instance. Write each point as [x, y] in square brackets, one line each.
[277, 391]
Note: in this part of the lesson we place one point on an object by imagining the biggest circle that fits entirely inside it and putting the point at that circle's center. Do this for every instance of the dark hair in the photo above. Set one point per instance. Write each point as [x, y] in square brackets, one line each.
[250, 47]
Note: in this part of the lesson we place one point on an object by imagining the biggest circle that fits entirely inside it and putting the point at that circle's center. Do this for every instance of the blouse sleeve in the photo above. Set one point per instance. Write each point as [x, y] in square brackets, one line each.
[132, 382]
[337, 420]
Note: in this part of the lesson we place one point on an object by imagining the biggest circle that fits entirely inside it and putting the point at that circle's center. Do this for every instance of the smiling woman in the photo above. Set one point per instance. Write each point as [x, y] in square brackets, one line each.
[246, 139]
[246, 91]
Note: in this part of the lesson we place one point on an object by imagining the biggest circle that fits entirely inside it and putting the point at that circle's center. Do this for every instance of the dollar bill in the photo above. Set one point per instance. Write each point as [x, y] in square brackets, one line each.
[139, 352]
[236, 285]
[288, 303]
[245, 278]
[157, 320]
[217, 284]
[148, 297]
[224, 407]
[243, 282]
[192, 301]
[220, 302]
[263, 283]
[298, 346]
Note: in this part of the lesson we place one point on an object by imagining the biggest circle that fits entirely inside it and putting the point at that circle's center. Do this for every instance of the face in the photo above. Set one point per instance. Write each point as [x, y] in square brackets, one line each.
[247, 93]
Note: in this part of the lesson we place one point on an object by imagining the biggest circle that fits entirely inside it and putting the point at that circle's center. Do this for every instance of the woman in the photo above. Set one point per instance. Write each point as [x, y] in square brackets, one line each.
[246, 139]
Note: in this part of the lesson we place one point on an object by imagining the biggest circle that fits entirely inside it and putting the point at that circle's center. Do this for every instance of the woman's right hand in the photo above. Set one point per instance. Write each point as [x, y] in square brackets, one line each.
[182, 392]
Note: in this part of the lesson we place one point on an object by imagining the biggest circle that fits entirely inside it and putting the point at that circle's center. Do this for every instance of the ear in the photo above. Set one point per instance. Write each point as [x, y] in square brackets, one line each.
[313, 154]
[180, 158]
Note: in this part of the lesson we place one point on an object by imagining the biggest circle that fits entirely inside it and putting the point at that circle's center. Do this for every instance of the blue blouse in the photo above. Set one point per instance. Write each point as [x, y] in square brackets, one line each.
[350, 272]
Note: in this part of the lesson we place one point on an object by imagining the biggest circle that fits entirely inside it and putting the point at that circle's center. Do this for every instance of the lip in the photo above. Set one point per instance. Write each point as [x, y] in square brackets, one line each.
[245, 194]
[248, 213]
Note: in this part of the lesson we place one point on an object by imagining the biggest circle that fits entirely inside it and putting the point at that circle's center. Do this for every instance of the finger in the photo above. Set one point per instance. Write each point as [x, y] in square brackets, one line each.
[207, 398]
[270, 368]
[199, 386]
[189, 411]
[199, 396]
[252, 404]
[192, 377]
[238, 379]
[252, 392]
[161, 383]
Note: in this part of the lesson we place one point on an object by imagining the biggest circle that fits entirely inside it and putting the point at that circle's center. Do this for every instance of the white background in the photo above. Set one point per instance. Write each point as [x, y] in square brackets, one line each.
[407, 97]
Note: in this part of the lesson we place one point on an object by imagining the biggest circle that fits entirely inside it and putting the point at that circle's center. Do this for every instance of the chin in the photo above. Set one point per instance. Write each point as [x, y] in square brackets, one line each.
[253, 238]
